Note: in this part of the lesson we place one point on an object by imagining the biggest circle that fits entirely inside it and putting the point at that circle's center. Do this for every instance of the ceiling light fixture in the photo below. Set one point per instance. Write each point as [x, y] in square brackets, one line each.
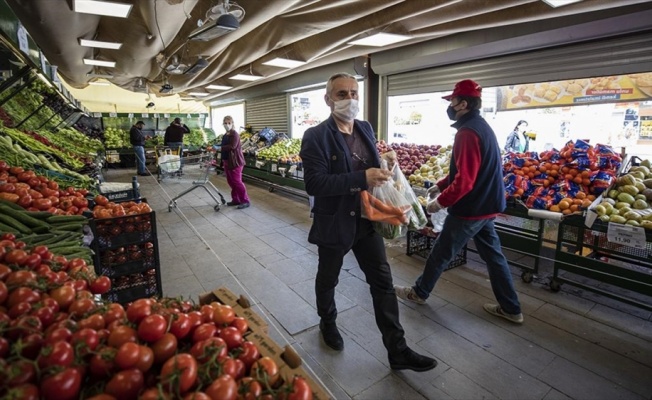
[219, 21]
[101, 63]
[167, 88]
[94, 75]
[99, 44]
[218, 87]
[196, 67]
[198, 94]
[284, 63]
[245, 77]
[560, 3]
[108, 8]
[99, 83]
[380, 39]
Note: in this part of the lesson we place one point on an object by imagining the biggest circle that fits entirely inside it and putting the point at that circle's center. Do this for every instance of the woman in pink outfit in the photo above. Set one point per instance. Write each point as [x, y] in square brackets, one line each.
[233, 162]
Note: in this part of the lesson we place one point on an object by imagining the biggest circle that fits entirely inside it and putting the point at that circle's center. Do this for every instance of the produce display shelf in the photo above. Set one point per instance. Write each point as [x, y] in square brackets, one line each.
[276, 180]
[624, 271]
[420, 242]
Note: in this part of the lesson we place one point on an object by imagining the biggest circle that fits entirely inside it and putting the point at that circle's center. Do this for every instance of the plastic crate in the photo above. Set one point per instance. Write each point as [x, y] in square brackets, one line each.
[121, 231]
[127, 288]
[420, 242]
[124, 261]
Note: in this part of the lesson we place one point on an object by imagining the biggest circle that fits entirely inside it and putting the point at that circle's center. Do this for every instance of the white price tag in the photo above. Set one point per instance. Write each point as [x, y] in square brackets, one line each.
[274, 167]
[155, 115]
[166, 115]
[112, 114]
[131, 115]
[23, 44]
[145, 115]
[632, 236]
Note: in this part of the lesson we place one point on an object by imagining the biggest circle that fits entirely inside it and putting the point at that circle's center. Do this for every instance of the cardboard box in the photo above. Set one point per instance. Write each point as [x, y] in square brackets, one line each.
[288, 361]
[240, 305]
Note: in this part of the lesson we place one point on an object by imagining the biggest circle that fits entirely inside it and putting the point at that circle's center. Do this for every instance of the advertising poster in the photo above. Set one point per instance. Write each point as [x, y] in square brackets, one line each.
[608, 89]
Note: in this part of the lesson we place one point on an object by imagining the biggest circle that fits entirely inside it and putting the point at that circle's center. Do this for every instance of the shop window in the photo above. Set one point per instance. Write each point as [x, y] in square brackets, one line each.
[309, 109]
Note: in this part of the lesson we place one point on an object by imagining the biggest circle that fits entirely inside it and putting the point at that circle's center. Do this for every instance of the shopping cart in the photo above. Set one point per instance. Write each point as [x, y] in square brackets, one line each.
[168, 162]
[199, 165]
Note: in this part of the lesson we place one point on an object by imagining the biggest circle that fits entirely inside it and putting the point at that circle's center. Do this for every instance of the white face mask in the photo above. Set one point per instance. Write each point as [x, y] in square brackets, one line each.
[346, 110]
[227, 127]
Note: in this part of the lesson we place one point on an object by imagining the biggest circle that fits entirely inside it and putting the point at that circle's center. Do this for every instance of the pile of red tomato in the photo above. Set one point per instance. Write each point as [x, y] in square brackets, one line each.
[57, 342]
[107, 209]
[38, 193]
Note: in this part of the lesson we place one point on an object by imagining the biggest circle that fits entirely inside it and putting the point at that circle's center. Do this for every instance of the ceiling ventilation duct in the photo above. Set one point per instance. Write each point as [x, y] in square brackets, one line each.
[220, 20]
[196, 67]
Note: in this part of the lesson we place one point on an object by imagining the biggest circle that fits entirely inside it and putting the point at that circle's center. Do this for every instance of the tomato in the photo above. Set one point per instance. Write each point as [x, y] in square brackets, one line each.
[210, 348]
[101, 200]
[18, 372]
[223, 388]
[58, 353]
[64, 385]
[94, 321]
[179, 373]
[241, 324]
[231, 336]
[164, 348]
[16, 257]
[249, 354]
[223, 315]
[103, 362]
[102, 396]
[126, 384]
[58, 335]
[32, 261]
[85, 340]
[300, 390]
[4, 347]
[25, 391]
[19, 309]
[127, 355]
[207, 313]
[4, 270]
[249, 388]
[122, 334]
[203, 332]
[31, 345]
[81, 307]
[154, 394]
[24, 326]
[265, 369]
[195, 320]
[101, 285]
[64, 296]
[80, 202]
[145, 358]
[180, 326]
[23, 294]
[25, 200]
[42, 204]
[233, 367]
[114, 312]
[196, 396]
[4, 293]
[45, 314]
[152, 328]
[139, 309]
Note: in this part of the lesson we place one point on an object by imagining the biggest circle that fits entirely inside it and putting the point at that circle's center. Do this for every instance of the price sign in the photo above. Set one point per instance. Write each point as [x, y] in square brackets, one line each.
[145, 115]
[112, 114]
[166, 115]
[131, 115]
[23, 44]
[626, 235]
[274, 167]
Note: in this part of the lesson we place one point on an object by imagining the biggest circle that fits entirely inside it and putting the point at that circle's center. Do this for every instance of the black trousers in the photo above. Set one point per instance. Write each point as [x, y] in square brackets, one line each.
[369, 251]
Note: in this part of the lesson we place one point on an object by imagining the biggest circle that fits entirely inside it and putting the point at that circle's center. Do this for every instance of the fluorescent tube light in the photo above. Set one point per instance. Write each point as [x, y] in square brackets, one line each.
[108, 8]
[560, 3]
[198, 94]
[110, 64]
[244, 77]
[218, 87]
[96, 83]
[99, 44]
[94, 75]
[380, 39]
[284, 63]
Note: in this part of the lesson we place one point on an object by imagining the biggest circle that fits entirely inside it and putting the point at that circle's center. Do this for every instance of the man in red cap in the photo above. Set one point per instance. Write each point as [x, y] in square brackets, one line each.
[474, 194]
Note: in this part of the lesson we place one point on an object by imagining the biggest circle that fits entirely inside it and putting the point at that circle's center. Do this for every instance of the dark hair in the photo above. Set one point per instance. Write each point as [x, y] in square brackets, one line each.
[519, 123]
[177, 120]
[472, 103]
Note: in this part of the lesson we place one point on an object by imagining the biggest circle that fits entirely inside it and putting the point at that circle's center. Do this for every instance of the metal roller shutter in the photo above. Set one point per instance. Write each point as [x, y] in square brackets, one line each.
[271, 112]
[616, 56]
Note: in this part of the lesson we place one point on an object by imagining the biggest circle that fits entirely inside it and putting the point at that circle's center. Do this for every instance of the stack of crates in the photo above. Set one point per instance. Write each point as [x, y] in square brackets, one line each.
[126, 250]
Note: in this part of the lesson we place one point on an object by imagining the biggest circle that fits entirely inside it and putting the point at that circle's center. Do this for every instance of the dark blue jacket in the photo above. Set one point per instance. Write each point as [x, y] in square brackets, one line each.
[336, 188]
[488, 194]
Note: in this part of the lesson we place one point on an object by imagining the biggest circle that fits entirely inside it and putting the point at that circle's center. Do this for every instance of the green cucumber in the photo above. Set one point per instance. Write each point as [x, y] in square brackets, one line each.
[39, 214]
[74, 227]
[7, 220]
[23, 217]
[66, 219]
[11, 205]
[8, 229]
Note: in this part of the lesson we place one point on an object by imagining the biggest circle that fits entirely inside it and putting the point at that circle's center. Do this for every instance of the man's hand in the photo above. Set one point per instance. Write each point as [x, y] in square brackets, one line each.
[377, 176]
[433, 191]
[433, 206]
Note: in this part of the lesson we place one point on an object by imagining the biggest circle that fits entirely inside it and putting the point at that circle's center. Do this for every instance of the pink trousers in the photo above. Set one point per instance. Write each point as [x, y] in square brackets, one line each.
[238, 189]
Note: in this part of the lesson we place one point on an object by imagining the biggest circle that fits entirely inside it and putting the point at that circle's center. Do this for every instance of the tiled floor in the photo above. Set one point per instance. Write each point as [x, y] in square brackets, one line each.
[571, 346]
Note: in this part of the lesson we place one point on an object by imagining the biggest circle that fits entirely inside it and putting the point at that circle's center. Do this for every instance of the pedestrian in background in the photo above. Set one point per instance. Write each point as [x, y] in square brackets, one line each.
[515, 143]
[174, 137]
[233, 163]
[340, 160]
[137, 140]
[474, 194]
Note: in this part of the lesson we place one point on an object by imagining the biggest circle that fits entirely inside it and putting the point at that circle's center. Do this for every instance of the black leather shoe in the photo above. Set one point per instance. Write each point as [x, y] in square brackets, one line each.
[331, 335]
[232, 203]
[412, 360]
[243, 205]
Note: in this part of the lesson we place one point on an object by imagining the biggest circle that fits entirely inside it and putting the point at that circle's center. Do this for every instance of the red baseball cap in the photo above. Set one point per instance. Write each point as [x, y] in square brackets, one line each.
[467, 87]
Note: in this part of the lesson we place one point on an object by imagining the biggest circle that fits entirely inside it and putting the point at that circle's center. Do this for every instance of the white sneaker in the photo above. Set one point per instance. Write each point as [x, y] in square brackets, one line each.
[497, 311]
[408, 293]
